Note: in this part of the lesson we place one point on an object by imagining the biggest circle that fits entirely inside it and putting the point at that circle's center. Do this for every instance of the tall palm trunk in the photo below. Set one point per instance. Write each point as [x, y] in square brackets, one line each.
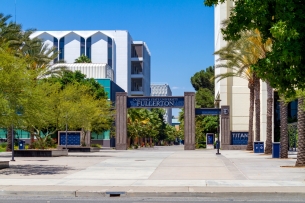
[257, 109]
[284, 129]
[9, 139]
[268, 149]
[301, 134]
[251, 111]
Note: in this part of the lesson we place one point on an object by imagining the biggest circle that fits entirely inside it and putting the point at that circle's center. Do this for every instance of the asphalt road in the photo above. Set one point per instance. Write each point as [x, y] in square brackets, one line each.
[29, 199]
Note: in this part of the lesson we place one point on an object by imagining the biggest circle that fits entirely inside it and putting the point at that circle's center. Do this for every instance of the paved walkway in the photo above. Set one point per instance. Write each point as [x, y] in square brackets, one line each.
[167, 170]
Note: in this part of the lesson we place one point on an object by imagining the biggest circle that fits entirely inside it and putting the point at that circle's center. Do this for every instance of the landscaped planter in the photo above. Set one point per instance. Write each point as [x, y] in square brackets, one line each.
[95, 149]
[78, 149]
[4, 164]
[40, 153]
[84, 149]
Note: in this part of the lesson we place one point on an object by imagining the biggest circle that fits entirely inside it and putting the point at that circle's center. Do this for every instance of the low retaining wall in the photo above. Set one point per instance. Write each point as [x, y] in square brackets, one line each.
[40, 153]
[233, 147]
[4, 164]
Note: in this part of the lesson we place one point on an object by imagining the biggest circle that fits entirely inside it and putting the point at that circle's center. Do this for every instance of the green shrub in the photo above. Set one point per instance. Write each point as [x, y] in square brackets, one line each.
[199, 146]
[96, 145]
[3, 145]
[46, 143]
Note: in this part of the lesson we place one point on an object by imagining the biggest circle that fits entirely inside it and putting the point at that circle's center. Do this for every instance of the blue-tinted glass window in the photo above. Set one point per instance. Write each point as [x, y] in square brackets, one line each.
[109, 51]
[82, 46]
[88, 48]
[62, 49]
[55, 45]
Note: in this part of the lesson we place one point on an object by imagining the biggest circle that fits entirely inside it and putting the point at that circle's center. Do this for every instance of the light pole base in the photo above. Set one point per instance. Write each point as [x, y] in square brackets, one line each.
[218, 153]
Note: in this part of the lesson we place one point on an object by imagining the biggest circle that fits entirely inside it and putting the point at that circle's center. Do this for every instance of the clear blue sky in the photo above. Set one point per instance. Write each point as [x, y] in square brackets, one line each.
[179, 33]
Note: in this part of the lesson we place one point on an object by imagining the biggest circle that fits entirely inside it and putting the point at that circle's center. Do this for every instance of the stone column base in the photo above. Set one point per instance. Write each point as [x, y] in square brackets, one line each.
[189, 147]
[121, 146]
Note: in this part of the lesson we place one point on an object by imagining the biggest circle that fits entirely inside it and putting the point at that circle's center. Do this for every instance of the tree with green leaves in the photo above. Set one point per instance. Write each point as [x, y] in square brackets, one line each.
[204, 98]
[204, 124]
[82, 59]
[282, 21]
[142, 123]
[204, 87]
[69, 77]
[15, 88]
[202, 79]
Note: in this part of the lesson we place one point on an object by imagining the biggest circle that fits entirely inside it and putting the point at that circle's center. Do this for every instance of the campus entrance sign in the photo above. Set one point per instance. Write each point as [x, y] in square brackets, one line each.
[123, 102]
[155, 102]
[187, 102]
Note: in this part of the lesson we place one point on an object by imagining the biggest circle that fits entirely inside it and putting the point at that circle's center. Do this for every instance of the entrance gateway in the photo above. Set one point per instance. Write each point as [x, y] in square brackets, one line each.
[187, 102]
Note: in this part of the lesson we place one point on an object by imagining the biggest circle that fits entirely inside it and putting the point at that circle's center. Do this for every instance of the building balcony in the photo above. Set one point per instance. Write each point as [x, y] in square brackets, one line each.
[137, 91]
[136, 59]
[137, 86]
[137, 75]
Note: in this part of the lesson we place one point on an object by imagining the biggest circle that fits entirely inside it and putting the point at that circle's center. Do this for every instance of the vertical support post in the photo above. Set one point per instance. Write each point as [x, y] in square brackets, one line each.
[13, 144]
[121, 121]
[225, 127]
[189, 120]
[218, 139]
[66, 135]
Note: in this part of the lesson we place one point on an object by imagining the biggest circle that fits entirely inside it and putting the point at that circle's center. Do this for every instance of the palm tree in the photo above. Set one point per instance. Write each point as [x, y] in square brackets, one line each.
[256, 42]
[257, 108]
[82, 59]
[301, 133]
[9, 32]
[268, 149]
[238, 57]
[284, 129]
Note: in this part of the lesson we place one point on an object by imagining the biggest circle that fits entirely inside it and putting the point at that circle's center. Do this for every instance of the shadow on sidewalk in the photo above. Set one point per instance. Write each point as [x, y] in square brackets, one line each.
[27, 170]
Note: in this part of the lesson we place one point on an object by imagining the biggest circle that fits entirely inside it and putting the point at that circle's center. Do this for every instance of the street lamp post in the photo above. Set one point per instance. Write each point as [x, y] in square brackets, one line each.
[13, 144]
[218, 139]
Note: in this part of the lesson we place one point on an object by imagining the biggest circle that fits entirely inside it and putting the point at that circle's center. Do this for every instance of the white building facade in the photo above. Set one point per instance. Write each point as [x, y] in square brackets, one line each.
[234, 91]
[130, 60]
[163, 90]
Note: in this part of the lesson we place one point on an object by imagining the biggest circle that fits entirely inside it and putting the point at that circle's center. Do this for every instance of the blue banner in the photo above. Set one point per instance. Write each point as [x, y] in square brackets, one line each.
[155, 102]
[207, 111]
[239, 138]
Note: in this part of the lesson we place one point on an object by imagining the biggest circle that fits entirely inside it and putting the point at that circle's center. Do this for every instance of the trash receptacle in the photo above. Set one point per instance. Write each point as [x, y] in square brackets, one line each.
[276, 149]
[258, 147]
[21, 144]
[217, 144]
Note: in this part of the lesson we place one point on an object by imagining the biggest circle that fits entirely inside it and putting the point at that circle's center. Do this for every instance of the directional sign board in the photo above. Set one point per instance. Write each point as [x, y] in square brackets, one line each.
[207, 111]
[155, 102]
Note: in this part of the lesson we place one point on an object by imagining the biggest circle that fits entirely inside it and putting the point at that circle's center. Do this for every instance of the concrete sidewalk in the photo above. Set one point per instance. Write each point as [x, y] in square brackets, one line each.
[162, 171]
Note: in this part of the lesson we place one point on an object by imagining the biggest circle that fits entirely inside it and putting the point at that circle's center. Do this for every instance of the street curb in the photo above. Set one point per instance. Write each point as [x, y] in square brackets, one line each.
[93, 194]
[39, 193]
